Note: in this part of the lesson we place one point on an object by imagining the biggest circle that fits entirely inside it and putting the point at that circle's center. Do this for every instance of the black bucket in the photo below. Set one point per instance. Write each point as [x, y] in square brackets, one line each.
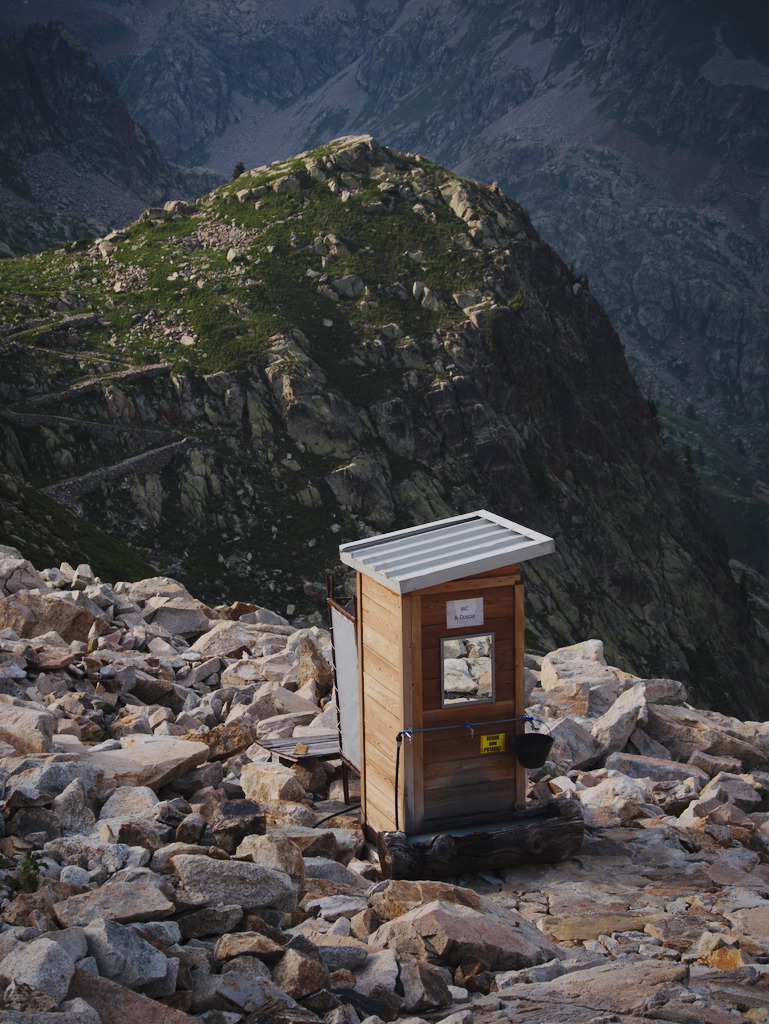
[532, 748]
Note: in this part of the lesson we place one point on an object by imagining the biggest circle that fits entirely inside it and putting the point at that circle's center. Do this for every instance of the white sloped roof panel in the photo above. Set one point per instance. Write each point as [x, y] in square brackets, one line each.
[445, 550]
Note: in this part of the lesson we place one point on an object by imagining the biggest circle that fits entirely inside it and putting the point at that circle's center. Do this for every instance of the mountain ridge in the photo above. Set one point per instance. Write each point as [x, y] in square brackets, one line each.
[354, 340]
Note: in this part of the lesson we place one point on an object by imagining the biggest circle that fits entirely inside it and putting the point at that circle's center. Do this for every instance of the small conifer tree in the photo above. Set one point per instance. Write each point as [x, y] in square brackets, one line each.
[238, 169]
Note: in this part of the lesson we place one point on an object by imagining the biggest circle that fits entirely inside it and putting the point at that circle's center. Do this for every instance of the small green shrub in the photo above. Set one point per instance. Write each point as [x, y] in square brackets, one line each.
[26, 876]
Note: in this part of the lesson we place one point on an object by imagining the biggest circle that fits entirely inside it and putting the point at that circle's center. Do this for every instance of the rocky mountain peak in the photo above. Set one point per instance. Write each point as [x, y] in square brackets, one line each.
[355, 340]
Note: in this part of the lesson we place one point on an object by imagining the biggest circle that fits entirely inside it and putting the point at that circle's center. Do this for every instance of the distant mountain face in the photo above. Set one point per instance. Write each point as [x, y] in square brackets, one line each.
[356, 340]
[636, 134]
[72, 161]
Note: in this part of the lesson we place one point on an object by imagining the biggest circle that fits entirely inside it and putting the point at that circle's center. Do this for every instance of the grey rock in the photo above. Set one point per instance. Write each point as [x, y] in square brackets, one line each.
[378, 979]
[129, 801]
[151, 761]
[73, 809]
[74, 875]
[43, 964]
[320, 867]
[249, 991]
[236, 882]
[160, 934]
[424, 987]
[124, 956]
[212, 921]
[72, 940]
[16, 573]
[615, 727]
[28, 730]
[86, 852]
[298, 975]
[733, 789]
[274, 851]
[574, 746]
[341, 952]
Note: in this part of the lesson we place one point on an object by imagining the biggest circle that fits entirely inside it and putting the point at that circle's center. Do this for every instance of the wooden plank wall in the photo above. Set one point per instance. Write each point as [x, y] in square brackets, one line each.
[381, 648]
[461, 785]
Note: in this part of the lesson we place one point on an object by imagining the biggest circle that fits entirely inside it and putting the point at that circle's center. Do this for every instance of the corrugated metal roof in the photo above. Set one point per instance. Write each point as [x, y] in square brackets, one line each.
[445, 550]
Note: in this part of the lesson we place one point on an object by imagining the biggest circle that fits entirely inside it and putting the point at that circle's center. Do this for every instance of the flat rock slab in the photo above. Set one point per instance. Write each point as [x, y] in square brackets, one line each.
[120, 901]
[229, 639]
[752, 921]
[449, 933]
[614, 988]
[637, 766]
[118, 1005]
[572, 929]
[398, 896]
[151, 761]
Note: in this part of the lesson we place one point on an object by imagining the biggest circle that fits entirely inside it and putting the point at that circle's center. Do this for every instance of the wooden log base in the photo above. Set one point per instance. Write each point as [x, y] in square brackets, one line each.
[545, 834]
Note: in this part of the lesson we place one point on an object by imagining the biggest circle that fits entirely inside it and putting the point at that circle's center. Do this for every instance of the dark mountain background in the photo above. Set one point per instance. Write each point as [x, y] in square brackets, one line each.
[637, 136]
[72, 160]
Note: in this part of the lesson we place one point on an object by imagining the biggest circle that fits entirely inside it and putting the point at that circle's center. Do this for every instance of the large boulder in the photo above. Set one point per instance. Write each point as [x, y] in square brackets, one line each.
[393, 898]
[249, 885]
[181, 614]
[686, 730]
[42, 964]
[151, 761]
[658, 769]
[614, 988]
[574, 746]
[262, 782]
[615, 726]
[16, 573]
[28, 729]
[615, 798]
[31, 614]
[230, 639]
[123, 902]
[123, 955]
[117, 1004]
[448, 933]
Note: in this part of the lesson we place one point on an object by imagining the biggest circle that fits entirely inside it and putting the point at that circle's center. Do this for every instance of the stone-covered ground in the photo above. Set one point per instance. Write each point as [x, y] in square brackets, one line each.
[160, 865]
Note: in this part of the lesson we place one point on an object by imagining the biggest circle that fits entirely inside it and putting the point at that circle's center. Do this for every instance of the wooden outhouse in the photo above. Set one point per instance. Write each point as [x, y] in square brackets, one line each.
[439, 707]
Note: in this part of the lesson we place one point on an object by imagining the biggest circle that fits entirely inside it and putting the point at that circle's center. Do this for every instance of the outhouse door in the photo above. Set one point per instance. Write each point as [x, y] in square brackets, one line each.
[471, 700]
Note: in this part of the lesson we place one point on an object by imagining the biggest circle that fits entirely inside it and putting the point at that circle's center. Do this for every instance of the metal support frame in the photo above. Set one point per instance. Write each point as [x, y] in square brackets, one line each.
[331, 602]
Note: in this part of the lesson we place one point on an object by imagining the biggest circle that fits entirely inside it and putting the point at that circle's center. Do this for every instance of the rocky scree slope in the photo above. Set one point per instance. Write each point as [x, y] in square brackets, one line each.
[72, 161]
[357, 340]
[161, 865]
[636, 136]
